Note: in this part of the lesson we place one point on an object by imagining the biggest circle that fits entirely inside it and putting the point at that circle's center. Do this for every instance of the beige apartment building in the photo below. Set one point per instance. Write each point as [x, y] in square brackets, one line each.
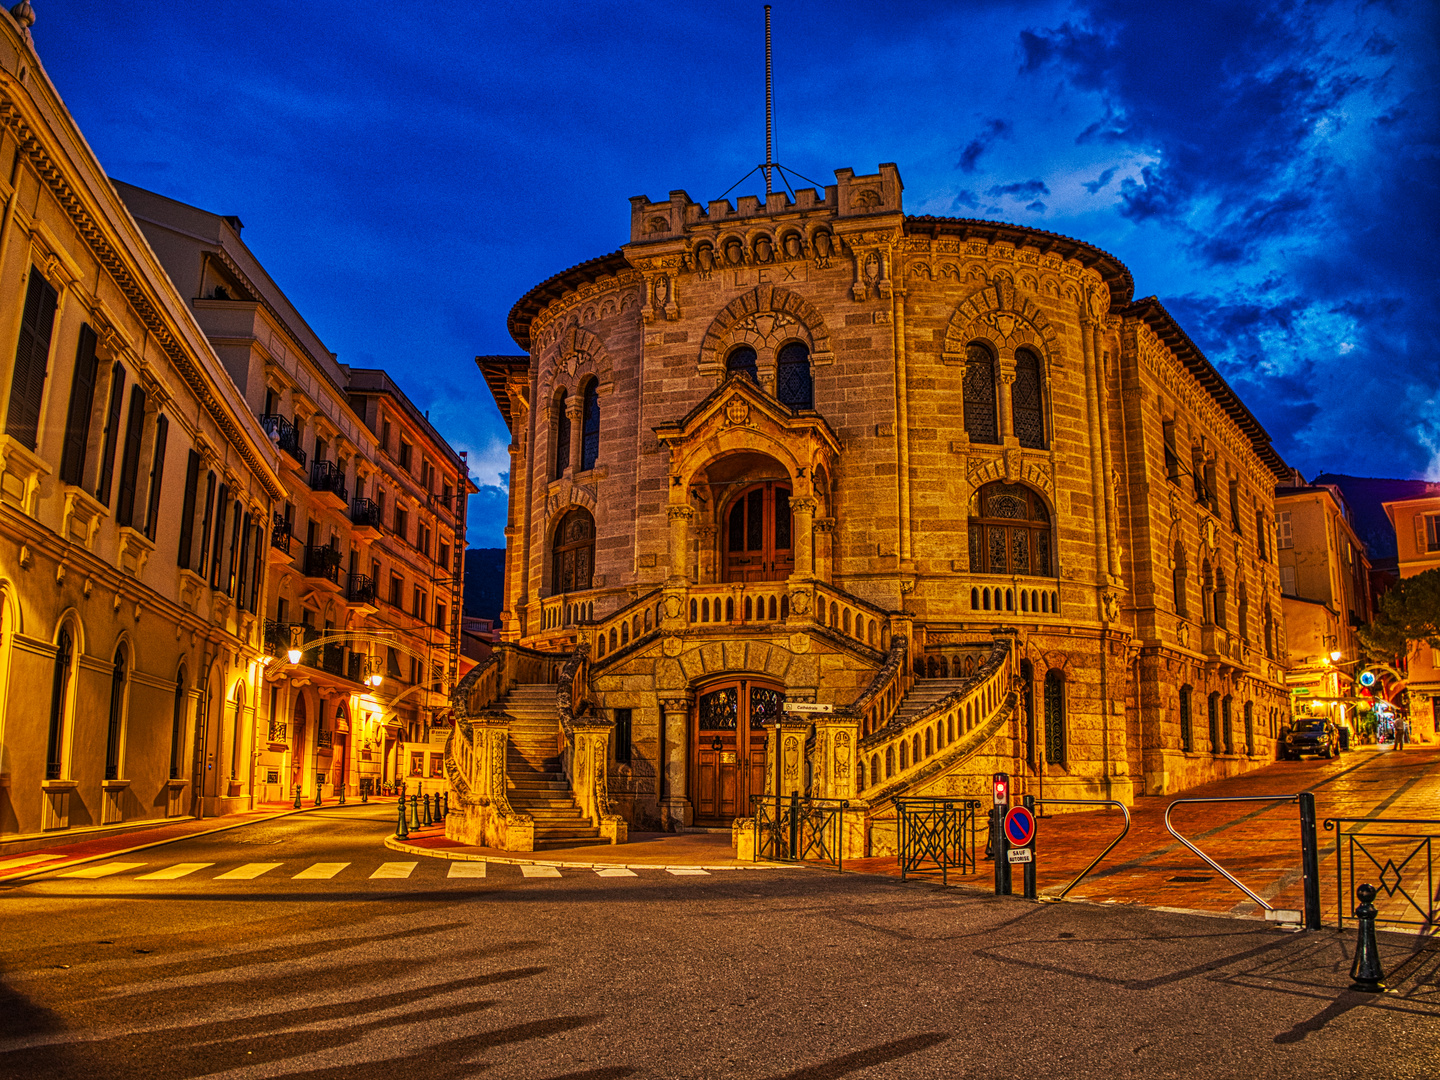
[944, 483]
[136, 491]
[363, 558]
[1325, 593]
[1417, 538]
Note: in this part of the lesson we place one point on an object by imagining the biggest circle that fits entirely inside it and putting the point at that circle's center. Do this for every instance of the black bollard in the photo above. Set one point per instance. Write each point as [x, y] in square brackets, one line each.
[401, 832]
[447, 804]
[317, 793]
[297, 795]
[415, 811]
[794, 825]
[426, 800]
[364, 791]
[342, 794]
[1366, 973]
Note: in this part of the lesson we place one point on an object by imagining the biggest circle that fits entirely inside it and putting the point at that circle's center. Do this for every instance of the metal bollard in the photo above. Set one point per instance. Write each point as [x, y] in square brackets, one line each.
[317, 794]
[364, 793]
[415, 811]
[297, 796]
[426, 800]
[1366, 972]
[1030, 890]
[795, 825]
[447, 804]
[401, 832]
[1310, 860]
[342, 794]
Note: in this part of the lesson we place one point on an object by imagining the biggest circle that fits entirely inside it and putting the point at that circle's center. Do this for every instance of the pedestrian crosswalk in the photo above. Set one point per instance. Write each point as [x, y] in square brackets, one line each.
[410, 870]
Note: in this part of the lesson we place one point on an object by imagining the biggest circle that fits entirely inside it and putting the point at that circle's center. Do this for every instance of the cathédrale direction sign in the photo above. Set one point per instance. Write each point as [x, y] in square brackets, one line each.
[807, 707]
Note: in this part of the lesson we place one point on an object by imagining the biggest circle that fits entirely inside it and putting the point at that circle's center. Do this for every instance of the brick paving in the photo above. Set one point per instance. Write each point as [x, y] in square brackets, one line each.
[60, 855]
[1257, 842]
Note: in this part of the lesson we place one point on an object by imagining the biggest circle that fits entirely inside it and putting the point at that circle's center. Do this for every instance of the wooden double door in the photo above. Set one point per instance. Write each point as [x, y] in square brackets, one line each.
[758, 544]
[727, 751]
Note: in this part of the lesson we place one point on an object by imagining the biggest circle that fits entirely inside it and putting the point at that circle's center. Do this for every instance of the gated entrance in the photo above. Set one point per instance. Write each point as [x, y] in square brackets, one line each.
[727, 751]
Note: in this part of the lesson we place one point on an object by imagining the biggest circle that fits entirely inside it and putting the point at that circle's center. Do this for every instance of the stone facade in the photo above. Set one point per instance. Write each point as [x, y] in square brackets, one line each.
[942, 355]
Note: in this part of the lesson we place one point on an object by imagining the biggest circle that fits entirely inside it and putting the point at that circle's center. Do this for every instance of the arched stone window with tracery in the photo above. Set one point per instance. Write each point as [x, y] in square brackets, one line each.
[793, 384]
[743, 359]
[113, 742]
[573, 553]
[1010, 531]
[560, 457]
[590, 426]
[1027, 412]
[978, 391]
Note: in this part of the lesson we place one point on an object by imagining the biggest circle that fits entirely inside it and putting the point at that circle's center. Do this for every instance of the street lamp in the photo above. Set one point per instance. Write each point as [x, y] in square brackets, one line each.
[297, 641]
[1335, 655]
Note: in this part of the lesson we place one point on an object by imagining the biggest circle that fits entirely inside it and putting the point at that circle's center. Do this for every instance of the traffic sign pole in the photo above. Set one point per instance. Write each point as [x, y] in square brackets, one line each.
[1030, 893]
[1000, 785]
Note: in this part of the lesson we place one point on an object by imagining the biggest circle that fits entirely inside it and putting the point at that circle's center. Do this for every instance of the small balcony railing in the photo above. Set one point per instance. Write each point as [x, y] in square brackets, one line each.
[323, 562]
[280, 537]
[360, 589]
[324, 740]
[326, 476]
[277, 637]
[333, 659]
[365, 513]
[279, 731]
[284, 434]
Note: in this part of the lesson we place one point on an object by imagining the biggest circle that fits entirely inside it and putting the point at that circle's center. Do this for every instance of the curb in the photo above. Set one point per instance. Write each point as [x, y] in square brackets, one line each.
[50, 867]
[395, 844]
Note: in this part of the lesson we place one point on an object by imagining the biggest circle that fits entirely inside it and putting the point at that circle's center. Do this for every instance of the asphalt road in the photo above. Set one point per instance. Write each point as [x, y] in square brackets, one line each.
[791, 974]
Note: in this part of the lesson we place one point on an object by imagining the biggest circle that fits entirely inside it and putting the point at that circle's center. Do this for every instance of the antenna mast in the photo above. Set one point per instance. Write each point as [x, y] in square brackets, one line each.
[769, 108]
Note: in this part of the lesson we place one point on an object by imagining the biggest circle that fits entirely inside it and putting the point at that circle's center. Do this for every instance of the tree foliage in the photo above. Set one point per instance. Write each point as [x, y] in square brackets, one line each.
[1410, 611]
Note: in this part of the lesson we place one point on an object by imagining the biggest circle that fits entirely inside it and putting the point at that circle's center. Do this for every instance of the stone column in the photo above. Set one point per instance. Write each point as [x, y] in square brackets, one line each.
[680, 518]
[675, 808]
[589, 779]
[1006, 410]
[1098, 480]
[802, 525]
[793, 732]
[824, 529]
[573, 409]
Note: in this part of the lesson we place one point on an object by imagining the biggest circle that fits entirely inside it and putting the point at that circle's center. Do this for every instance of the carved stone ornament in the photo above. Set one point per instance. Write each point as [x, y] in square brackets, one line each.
[1109, 607]
[737, 412]
[1209, 531]
[1182, 633]
[800, 602]
[842, 755]
[792, 758]
[823, 249]
[671, 646]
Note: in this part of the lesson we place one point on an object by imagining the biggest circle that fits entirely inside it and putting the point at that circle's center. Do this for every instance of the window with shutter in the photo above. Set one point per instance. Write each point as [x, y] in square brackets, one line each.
[112, 433]
[157, 476]
[32, 359]
[187, 511]
[82, 401]
[130, 460]
[208, 522]
[217, 548]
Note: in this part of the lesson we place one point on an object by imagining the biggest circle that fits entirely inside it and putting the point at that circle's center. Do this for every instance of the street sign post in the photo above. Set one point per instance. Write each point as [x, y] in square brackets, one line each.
[1019, 827]
[999, 847]
[807, 707]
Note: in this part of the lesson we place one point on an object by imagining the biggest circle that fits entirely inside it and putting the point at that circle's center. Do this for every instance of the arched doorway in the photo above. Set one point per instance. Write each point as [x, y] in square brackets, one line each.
[727, 747]
[757, 535]
[342, 747]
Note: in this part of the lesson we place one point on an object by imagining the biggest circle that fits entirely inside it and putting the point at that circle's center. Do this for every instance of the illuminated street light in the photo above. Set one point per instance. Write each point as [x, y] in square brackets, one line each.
[297, 641]
[1335, 655]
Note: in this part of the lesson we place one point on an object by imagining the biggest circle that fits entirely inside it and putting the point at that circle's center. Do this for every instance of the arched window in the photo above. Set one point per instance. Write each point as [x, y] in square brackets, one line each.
[117, 715]
[1009, 531]
[742, 358]
[590, 427]
[1225, 723]
[1186, 735]
[1178, 582]
[1222, 598]
[1242, 600]
[1207, 593]
[573, 553]
[979, 395]
[1027, 411]
[59, 700]
[1214, 717]
[560, 459]
[236, 735]
[1054, 717]
[177, 723]
[792, 377]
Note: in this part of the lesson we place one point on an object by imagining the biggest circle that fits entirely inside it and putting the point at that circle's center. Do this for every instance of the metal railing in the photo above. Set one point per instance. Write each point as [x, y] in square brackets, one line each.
[1399, 861]
[799, 829]
[360, 589]
[326, 476]
[323, 562]
[936, 831]
[1111, 847]
[1309, 852]
[285, 435]
[365, 513]
[280, 537]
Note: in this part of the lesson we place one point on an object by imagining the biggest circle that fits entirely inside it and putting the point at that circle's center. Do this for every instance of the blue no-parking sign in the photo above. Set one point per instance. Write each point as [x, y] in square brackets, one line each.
[1019, 826]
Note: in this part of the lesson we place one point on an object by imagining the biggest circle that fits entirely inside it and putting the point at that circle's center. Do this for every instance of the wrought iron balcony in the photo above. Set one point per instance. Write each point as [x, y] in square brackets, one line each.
[333, 659]
[323, 562]
[365, 513]
[277, 637]
[280, 537]
[326, 476]
[355, 668]
[285, 435]
[279, 731]
[360, 589]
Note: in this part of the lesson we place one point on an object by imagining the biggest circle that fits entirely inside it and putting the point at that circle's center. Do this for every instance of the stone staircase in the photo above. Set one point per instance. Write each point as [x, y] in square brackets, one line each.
[925, 693]
[535, 784]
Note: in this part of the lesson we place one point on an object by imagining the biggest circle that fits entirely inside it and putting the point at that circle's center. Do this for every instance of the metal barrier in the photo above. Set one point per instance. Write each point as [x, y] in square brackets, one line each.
[1380, 850]
[939, 831]
[1309, 851]
[1096, 861]
[799, 829]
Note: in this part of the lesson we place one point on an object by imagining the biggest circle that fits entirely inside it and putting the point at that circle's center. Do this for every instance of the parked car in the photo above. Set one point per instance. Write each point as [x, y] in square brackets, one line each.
[1310, 736]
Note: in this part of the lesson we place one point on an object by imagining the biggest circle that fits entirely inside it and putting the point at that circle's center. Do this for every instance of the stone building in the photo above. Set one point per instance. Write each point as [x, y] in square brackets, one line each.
[1417, 537]
[946, 478]
[364, 556]
[136, 493]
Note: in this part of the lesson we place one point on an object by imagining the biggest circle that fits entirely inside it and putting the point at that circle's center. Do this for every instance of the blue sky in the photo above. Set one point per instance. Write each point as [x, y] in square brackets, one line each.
[406, 172]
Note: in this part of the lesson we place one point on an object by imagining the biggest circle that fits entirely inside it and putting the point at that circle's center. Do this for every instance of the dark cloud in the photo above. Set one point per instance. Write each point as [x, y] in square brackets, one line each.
[1093, 186]
[1024, 189]
[967, 199]
[993, 131]
[1037, 206]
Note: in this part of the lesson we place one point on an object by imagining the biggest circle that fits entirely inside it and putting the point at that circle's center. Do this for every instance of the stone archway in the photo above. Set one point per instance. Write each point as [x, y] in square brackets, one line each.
[764, 318]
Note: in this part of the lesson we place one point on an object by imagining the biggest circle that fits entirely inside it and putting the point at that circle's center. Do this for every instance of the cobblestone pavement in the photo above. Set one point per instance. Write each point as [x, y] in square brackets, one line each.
[1257, 842]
